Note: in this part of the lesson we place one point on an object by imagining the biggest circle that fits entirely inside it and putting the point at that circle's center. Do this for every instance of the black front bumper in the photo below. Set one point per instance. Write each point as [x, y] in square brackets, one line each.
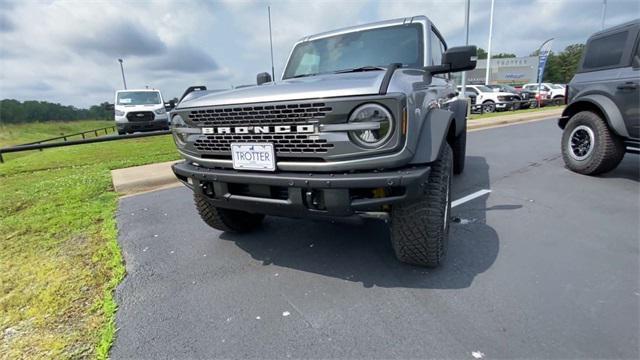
[133, 126]
[301, 194]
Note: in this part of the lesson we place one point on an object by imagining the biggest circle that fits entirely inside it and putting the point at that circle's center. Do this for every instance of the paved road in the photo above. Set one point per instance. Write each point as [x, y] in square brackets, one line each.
[546, 266]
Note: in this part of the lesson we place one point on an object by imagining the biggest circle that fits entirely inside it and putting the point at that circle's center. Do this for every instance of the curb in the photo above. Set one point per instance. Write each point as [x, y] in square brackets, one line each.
[143, 178]
[512, 119]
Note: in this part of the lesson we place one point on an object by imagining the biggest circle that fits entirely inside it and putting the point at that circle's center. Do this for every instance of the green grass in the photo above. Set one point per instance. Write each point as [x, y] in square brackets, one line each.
[523, 111]
[59, 257]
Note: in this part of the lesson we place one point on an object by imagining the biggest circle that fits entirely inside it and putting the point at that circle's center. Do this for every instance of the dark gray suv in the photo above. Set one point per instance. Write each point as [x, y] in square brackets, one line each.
[602, 120]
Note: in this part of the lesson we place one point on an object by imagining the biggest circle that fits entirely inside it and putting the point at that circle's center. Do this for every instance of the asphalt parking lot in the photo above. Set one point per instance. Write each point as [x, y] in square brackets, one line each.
[544, 266]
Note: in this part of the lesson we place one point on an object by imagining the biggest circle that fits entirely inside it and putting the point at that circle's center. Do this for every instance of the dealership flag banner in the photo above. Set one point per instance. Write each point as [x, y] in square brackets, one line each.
[542, 59]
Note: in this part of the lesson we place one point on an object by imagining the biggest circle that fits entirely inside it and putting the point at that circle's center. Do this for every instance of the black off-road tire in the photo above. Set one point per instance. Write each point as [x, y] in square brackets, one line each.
[226, 219]
[606, 148]
[122, 132]
[420, 230]
[459, 148]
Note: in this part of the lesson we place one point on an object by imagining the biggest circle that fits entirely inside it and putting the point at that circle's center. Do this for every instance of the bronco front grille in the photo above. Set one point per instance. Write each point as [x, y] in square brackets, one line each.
[281, 114]
[283, 143]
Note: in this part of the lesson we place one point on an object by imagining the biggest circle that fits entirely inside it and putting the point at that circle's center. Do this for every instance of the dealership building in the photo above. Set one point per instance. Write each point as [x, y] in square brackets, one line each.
[511, 71]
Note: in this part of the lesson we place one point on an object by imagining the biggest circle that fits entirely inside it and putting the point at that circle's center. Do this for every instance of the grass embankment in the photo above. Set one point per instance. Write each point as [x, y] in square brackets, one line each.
[516, 112]
[59, 259]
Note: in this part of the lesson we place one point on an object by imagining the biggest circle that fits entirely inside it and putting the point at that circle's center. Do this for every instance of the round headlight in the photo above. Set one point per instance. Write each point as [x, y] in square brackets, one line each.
[177, 122]
[373, 114]
[178, 136]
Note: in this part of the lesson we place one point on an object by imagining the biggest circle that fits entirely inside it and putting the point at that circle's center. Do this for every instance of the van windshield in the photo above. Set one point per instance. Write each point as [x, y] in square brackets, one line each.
[138, 98]
[360, 50]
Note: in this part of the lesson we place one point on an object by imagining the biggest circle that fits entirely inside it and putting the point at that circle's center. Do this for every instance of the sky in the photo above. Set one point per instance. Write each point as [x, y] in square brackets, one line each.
[67, 51]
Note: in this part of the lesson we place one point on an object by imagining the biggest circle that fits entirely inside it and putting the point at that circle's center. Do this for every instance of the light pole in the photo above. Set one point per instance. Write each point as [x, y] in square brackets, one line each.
[122, 71]
[486, 79]
[604, 12]
[273, 73]
[466, 42]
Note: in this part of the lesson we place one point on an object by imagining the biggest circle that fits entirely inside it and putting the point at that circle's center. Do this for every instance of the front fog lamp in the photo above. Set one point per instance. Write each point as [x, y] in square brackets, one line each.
[176, 124]
[377, 125]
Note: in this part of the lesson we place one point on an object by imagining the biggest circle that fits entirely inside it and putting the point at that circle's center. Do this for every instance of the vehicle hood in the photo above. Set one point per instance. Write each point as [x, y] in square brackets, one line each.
[150, 107]
[501, 93]
[312, 87]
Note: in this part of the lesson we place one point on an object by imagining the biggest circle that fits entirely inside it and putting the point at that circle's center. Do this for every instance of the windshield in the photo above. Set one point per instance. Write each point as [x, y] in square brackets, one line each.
[375, 47]
[138, 98]
[483, 88]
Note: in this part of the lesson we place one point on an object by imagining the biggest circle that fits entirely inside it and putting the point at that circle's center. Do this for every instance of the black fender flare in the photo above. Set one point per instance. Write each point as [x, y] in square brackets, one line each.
[607, 108]
[433, 135]
[459, 109]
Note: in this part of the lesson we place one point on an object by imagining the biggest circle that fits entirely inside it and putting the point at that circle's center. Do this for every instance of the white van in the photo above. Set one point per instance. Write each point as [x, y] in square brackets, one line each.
[140, 110]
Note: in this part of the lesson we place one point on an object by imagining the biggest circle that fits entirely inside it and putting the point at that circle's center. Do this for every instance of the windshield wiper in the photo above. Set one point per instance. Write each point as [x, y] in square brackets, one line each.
[301, 75]
[360, 69]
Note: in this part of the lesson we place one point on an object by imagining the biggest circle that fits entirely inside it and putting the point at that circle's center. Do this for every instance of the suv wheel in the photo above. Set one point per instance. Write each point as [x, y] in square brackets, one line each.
[419, 230]
[488, 106]
[558, 100]
[588, 145]
[226, 219]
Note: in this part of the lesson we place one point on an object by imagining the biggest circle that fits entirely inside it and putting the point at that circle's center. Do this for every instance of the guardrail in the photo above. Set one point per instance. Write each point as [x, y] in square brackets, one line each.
[82, 133]
[45, 144]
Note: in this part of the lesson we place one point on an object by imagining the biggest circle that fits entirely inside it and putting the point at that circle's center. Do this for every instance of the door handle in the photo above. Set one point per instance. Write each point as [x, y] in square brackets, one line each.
[627, 86]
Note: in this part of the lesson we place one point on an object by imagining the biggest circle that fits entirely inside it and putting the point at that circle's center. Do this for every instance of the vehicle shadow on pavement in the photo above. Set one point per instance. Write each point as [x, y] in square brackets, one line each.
[628, 169]
[359, 250]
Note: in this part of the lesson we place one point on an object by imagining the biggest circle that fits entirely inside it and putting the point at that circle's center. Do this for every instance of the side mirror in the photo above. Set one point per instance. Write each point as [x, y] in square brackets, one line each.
[455, 59]
[170, 105]
[263, 77]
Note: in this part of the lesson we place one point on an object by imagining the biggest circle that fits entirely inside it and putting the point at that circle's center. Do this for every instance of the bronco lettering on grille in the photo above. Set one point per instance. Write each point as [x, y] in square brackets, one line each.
[278, 129]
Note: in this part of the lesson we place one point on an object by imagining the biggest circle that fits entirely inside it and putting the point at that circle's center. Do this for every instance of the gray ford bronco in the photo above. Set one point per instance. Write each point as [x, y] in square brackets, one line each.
[602, 120]
[365, 121]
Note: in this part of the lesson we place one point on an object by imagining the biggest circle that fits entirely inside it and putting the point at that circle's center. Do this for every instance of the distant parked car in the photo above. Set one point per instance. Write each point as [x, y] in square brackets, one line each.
[525, 98]
[552, 93]
[472, 100]
[602, 120]
[490, 100]
[140, 110]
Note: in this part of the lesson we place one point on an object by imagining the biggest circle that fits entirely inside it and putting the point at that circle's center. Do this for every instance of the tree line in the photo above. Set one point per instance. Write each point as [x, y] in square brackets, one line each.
[14, 111]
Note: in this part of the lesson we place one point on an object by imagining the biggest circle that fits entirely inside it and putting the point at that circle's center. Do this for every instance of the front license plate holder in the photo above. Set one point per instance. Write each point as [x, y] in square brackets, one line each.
[253, 156]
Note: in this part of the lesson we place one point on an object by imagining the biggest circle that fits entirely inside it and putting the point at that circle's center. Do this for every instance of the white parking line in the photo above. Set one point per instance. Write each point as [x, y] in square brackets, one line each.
[469, 197]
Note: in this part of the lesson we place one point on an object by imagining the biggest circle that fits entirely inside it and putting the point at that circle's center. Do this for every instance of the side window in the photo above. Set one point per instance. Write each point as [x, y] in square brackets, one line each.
[605, 51]
[473, 90]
